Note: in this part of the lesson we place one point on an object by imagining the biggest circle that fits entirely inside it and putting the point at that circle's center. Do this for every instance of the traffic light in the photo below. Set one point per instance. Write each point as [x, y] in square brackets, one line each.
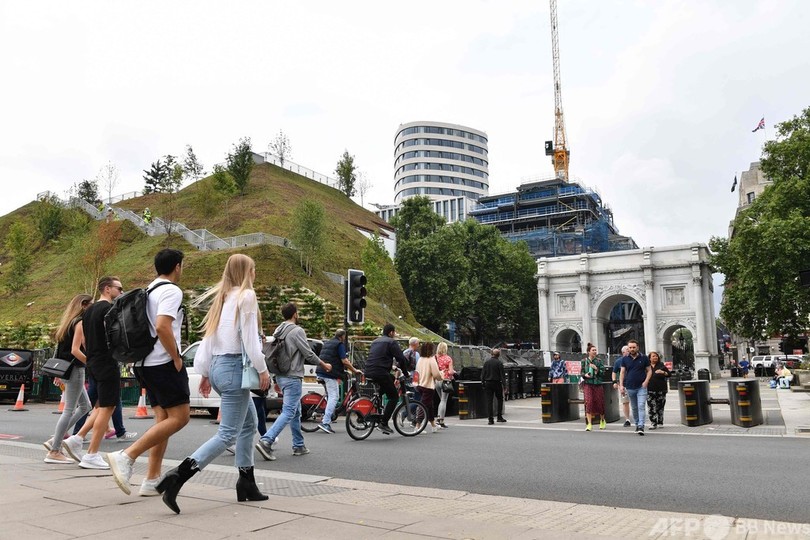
[782, 346]
[356, 297]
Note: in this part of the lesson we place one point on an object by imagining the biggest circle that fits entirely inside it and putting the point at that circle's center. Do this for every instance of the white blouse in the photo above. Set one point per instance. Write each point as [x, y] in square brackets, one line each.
[225, 339]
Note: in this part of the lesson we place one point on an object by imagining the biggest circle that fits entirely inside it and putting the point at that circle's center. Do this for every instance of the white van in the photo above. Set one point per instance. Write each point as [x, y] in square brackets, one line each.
[768, 361]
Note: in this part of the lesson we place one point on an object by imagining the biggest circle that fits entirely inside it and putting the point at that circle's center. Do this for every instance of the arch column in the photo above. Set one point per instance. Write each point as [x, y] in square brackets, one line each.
[542, 301]
[700, 348]
[650, 337]
[585, 306]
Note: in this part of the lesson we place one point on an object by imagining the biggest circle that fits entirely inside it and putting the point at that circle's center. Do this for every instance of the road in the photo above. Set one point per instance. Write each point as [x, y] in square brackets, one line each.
[729, 475]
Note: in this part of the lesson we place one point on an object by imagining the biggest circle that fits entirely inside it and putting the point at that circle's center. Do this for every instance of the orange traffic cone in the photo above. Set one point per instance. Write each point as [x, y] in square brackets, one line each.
[20, 400]
[219, 417]
[61, 405]
[141, 413]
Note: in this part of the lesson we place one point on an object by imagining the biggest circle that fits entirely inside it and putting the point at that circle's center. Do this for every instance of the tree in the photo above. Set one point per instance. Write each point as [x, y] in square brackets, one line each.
[308, 233]
[98, 249]
[49, 217]
[346, 173]
[771, 243]
[18, 243]
[87, 190]
[225, 186]
[108, 179]
[416, 219]
[378, 268]
[207, 199]
[280, 146]
[240, 164]
[363, 185]
[154, 177]
[192, 168]
[170, 186]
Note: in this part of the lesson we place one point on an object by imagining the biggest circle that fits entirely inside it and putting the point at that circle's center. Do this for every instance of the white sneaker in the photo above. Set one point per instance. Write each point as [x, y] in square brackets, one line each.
[128, 436]
[59, 459]
[149, 487]
[93, 461]
[435, 429]
[121, 467]
[73, 447]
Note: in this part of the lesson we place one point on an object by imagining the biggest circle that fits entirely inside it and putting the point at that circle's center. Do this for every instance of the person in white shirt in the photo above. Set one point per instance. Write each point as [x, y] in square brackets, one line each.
[231, 334]
[162, 374]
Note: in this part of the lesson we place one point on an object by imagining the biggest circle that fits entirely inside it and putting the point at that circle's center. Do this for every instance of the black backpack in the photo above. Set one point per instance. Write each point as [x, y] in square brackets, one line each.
[127, 326]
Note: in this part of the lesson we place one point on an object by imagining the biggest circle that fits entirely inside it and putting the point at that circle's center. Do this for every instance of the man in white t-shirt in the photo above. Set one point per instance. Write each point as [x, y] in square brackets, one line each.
[161, 373]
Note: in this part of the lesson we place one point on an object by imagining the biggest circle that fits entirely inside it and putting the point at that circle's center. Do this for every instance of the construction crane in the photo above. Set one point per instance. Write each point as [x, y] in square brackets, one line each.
[558, 150]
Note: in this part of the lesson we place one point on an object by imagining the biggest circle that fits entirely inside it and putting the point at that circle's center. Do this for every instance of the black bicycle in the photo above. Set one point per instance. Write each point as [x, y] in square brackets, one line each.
[313, 405]
[410, 417]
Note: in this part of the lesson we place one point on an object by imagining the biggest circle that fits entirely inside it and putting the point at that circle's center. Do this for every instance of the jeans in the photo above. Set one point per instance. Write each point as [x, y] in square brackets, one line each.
[77, 405]
[638, 399]
[291, 387]
[117, 415]
[238, 421]
[332, 397]
[261, 413]
[443, 403]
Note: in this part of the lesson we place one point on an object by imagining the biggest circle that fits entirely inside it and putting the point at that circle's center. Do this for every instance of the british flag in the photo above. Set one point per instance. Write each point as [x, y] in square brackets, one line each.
[761, 125]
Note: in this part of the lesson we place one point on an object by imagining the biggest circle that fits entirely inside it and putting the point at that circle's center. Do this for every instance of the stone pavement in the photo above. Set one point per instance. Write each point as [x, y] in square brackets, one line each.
[53, 501]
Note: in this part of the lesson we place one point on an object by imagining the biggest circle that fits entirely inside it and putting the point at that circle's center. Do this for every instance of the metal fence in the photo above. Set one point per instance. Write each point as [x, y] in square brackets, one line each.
[303, 171]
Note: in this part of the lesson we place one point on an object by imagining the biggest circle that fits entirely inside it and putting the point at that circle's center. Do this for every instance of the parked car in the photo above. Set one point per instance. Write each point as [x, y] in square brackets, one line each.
[274, 397]
[769, 361]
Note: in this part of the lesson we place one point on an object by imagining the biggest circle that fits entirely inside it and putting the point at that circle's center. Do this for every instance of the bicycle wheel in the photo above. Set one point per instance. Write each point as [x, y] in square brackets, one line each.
[410, 423]
[357, 425]
[311, 416]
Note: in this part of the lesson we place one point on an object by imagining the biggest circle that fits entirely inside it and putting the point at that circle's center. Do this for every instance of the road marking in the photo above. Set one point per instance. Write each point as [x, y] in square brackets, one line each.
[8, 437]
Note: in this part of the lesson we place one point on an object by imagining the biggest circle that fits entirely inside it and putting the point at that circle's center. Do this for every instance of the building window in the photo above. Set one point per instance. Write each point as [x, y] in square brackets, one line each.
[751, 196]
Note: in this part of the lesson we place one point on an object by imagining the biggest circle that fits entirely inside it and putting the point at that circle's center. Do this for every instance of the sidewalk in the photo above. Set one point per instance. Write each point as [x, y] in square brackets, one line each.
[51, 501]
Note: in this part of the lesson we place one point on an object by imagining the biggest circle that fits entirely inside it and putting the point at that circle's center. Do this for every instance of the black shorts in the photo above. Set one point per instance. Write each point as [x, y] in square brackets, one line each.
[109, 390]
[165, 386]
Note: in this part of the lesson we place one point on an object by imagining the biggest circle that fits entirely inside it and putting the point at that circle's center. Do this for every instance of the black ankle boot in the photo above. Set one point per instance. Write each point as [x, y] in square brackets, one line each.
[246, 488]
[171, 483]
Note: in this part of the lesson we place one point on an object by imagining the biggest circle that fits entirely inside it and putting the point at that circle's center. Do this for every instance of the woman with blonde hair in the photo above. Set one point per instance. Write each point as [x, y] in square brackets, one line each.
[446, 367]
[69, 337]
[231, 330]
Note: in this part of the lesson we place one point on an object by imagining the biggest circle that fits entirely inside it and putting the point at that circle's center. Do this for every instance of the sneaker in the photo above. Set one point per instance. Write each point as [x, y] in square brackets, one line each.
[627, 423]
[602, 424]
[587, 427]
[491, 421]
[121, 467]
[73, 447]
[641, 431]
[435, 429]
[110, 434]
[300, 451]
[265, 449]
[385, 429]
[48, 444]
[654, 426]
[501, 419]
[326, 428]
[443, 425]
[128, 436]
[59, 459]
[637, 429]
[93, 461]
[149, 487]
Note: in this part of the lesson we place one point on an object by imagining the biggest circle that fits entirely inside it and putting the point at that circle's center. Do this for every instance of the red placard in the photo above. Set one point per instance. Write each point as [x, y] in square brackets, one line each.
[574, 368]
[669, 365]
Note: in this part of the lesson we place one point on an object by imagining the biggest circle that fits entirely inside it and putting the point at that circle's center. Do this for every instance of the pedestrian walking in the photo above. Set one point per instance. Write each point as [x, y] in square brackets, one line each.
[118, 431]
[445, 364]
[657, 390]
[634, 379]
[493, 378]
[429, 375]
[617, 368]
[232, 337]
[69, 337]
[162, 374]
[297, 350]
[558, 372]
[592, 370]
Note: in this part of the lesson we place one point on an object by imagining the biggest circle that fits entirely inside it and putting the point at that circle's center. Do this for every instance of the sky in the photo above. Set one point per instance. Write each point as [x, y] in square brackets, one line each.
[659, 97]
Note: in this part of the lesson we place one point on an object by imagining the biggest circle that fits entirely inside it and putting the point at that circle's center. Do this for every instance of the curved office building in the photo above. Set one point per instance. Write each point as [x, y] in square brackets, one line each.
[447, 162]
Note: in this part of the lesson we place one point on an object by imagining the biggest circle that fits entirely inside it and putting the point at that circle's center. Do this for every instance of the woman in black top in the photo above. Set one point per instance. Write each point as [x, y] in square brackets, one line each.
[657, 390]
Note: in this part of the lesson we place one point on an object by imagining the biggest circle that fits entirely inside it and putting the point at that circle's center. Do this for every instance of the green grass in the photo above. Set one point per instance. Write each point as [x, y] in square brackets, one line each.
[271, 197]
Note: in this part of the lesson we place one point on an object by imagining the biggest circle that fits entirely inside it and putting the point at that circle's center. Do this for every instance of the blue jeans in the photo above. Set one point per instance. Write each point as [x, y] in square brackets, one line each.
[638, 400]
[291, 387]
[238, 421]
[332, 397]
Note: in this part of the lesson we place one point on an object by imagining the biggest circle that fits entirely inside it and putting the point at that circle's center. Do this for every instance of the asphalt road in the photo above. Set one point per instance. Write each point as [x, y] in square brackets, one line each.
[754, 477]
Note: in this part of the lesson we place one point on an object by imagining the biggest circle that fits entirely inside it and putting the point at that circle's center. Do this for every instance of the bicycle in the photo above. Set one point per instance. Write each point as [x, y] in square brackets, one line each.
[313, 406]
[363, 415]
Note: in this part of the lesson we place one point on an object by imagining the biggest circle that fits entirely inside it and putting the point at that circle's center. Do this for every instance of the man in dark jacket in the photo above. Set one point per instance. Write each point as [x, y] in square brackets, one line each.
[382, 354]
[334, 354]
[493, 377]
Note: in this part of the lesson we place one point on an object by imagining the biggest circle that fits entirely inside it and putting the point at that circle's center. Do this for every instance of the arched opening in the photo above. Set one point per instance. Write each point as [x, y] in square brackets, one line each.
[568, 341]
[621, 319]
[679, 347]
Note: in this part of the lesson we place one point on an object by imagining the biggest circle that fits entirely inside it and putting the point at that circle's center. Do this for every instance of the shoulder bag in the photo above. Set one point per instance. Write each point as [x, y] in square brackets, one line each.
[250, 377]
[57, 367]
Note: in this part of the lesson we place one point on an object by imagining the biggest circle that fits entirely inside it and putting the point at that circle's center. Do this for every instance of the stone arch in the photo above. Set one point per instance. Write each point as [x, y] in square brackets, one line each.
[666, 332]
[602, 309]
[568, 340]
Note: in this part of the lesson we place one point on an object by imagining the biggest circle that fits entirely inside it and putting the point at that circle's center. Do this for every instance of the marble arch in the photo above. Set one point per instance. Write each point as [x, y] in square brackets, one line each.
[672, 285]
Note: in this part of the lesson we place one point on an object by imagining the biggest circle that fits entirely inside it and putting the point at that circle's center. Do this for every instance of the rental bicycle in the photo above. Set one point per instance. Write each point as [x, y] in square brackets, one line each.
[313, 405]
[410, 417]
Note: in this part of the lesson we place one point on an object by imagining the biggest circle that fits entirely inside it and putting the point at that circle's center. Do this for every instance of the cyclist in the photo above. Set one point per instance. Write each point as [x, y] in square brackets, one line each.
[333, 353]
[382, 354]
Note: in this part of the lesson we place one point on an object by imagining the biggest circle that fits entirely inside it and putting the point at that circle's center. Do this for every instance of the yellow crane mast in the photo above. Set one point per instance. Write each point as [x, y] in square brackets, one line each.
[559, 151]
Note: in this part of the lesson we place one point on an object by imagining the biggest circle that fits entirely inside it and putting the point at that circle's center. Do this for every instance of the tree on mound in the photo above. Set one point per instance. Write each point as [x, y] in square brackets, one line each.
[308, 233]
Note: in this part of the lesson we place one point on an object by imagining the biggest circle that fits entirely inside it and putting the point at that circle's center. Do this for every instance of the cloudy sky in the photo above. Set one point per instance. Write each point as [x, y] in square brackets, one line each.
[660, 97]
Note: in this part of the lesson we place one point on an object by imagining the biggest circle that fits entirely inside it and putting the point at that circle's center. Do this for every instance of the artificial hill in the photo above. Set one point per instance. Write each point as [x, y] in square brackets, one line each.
[267, 206]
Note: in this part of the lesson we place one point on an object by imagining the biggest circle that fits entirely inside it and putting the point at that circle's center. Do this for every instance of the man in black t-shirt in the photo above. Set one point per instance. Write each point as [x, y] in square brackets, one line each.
[104, 369]
[382, 354]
